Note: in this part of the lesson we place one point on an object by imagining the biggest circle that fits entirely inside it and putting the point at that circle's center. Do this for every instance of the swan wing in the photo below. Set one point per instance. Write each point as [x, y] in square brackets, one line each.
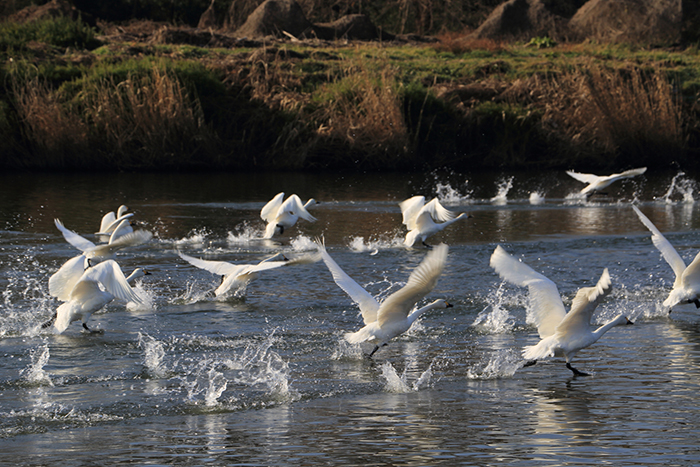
[627, 174]
[438, 211]
[585, 178]
[123, 228]
[664, 246]
[294, 204]
[422, 280]
[107, 220]
[109, 228]
[136, 238]
[221, 268]
[111, 277]
[62, 282]
[367, 303]
[584, 304]
[691, 275]
[410, 209]
[81, 243]
[546, 308]
[269, 211]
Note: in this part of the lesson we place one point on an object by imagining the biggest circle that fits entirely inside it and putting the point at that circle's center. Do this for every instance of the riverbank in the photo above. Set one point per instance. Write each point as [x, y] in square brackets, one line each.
[152, 97]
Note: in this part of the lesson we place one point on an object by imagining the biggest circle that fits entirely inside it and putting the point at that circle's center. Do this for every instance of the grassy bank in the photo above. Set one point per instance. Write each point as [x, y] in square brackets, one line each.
[71, 103]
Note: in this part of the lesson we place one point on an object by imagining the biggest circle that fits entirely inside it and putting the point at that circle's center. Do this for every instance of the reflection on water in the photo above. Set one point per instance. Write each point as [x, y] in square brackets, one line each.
[267, 379]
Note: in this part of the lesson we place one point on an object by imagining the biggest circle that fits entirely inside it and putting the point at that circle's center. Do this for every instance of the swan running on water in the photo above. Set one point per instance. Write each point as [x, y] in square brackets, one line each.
[686, 287]
[396, 313]
[110, 222]
[597, 182]
[281, 214]
[420, 218]
[87, 295]
[237, 276]
[561, 333]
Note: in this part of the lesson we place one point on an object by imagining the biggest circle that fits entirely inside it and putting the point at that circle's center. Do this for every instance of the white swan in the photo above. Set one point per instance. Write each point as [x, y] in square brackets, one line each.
[237, 276]
[396, 313]
[420, 218]
[87, 295]
[282, 214]
[97, 253]
[597, 183]
[110, 221]
[686, 287]
[561, 333]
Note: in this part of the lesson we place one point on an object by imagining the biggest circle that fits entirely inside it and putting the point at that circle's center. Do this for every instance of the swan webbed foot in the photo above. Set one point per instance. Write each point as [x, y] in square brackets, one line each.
[529, 363]
[92, 331]
[427, 246]
[697, 302]
[376, 347]
[575, 371]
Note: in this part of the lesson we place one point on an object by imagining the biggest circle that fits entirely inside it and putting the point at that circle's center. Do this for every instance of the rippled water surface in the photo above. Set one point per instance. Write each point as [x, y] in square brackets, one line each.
[266, 378]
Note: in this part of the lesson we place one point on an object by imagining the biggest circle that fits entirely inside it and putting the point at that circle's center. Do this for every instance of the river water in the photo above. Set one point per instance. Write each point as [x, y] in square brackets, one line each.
[267, 379]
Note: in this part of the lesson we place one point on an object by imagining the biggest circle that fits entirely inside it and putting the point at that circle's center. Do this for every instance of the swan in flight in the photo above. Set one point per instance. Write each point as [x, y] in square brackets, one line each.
[561, 333]
[686, 288]
[110, 221]
[99, 285]
[96, 253]
[597, 183]
[395, 315]
[237, 276]
[420, 218]
[282, 214]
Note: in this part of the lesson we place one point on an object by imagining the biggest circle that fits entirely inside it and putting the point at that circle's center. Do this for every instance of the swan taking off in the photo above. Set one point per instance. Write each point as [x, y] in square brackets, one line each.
[561, 333]
[99, 285]
[110, 222]
[97, 253]
[396, 313]
[420, 219]
[237, 276]
[282, 214]
[686, 288]
[597, 183]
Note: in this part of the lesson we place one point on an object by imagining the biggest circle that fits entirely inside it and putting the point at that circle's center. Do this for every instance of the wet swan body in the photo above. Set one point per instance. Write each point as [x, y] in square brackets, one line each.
[281, 214]
[420, 218]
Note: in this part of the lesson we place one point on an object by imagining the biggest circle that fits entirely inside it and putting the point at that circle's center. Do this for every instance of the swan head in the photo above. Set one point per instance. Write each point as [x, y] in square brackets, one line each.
[139, 272]
[441, 303]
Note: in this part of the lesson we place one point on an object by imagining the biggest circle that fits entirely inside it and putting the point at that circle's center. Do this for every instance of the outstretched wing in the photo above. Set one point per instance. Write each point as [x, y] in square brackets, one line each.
[585, 178]
[81, 243]
[367, 303]
[269, 211]
[410, 209]
[421, 281]
[628, 173]
[112, 278]
[437, 211]
[585, 303]
[546, 308]
[62, 282]
[664, 246]
[294, 204]
[221, 268]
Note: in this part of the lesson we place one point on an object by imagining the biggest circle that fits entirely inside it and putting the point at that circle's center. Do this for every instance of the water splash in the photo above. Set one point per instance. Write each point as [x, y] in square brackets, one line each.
[502, 189]
[196, 237]
[448, 195]
[374, 244]
[244, 234]
[194, 292]
[499, 364]
[399, 384]
[302, 243]
[34, 374]
[495, 319]
[346, 350]
[153, 355]
[217, 386]
[536, 198]
[685, 187]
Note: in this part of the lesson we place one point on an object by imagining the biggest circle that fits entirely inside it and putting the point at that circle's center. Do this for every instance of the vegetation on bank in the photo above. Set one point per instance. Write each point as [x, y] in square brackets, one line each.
[70, 103]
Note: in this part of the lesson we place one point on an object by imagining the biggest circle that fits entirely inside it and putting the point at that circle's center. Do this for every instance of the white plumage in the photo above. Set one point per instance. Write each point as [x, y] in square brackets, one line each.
[599, 182]
[423, 220]
[281, 214]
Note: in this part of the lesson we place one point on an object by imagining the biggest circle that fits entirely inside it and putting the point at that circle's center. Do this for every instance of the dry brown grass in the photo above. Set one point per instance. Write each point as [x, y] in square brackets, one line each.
[459, 43]
[632, 110]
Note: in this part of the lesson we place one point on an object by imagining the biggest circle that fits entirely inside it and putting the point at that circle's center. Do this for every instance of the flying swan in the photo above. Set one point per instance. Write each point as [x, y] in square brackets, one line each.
[235, 277]
[110, 222]
[597, 183]
[561, 333]
[420, 218]
[99, 285]
[396, 313]
[281, 214]
[686, 288]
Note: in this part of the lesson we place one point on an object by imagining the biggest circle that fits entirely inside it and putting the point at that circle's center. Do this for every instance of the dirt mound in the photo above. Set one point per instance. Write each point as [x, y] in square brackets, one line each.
[53, 9]
[274, 18]
[353, 27]
[646, 21]
[518, 19]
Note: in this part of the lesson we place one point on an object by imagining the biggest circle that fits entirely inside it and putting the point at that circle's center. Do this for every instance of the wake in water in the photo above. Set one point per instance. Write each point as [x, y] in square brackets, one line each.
[400, 384]
[502, 189]
[499, 364]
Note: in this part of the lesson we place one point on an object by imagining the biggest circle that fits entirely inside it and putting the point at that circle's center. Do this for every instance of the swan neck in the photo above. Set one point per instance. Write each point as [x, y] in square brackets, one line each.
[416, 314]
[606, 327]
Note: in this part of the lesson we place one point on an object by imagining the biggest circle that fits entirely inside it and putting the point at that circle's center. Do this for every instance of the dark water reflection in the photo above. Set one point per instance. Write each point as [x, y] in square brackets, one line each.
[268, 380]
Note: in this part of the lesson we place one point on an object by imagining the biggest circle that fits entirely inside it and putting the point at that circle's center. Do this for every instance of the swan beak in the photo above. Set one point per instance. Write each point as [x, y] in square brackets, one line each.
[146, 273]
[628, 321]
[448, 305]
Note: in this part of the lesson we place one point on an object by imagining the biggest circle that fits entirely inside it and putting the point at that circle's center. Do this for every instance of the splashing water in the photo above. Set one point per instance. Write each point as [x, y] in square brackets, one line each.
[153, 355]
[194, 292]
[684, 186]
[494, 319]
[536, 198]
[399, 384]
[195, 237]
[302, 243]
[34, 374]
[244, 234]
[499, 364]
[217, 386]
[502, 189]
[448, 195]
[373, 245]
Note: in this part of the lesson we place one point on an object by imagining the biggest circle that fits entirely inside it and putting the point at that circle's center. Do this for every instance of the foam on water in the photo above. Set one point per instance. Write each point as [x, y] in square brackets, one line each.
[448, 195]
[502, 363]
[374, 244]
[34, 374]
[502, 188]
[194, 292]
[536, 197]
[400, 384]
[682, 186]
[153, 355]
[196, 237]
[302, 243]
[244, 234]
[495, 319]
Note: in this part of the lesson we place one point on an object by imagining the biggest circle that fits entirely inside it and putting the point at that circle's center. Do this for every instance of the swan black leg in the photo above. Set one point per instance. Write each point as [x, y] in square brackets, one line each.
[529, 363]
[376, 347]
[50, 322]
[575, 371]
[98, 331]
[697, 303]
[426, 245]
